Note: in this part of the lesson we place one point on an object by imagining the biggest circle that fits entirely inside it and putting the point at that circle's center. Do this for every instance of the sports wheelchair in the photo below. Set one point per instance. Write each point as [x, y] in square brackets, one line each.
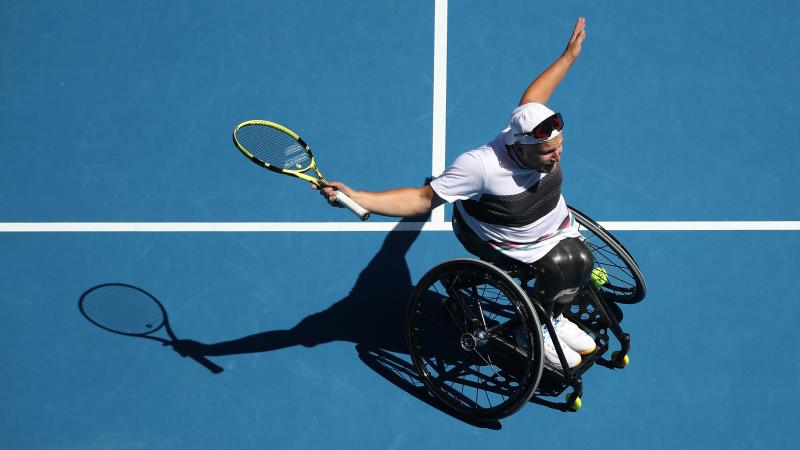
[474, 329]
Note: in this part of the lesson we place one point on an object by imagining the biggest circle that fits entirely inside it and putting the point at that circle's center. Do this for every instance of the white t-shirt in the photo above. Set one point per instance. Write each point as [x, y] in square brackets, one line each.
[490, 169]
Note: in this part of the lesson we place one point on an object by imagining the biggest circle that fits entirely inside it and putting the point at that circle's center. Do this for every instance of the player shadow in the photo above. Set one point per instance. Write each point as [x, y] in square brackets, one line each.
[372, 316]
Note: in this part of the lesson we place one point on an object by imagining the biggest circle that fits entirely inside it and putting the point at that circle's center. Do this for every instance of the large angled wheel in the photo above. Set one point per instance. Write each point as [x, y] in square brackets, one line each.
[475, 339]
[625, 282]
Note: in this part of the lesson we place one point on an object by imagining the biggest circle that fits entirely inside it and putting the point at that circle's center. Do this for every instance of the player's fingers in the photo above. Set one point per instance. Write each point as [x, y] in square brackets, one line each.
[580, 26]
[576, 30]
[335, 184]
[330, 196]
[329, 193]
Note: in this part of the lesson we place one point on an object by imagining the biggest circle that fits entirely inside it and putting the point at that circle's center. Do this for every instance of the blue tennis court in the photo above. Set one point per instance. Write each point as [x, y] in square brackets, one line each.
[680, 129]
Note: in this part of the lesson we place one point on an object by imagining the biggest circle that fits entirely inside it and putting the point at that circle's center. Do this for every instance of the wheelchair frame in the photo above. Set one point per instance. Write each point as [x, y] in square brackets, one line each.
[474, 334]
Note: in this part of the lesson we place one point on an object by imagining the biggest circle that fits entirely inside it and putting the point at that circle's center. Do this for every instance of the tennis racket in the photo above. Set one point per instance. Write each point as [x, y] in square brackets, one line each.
[131, 311]
[280, 150]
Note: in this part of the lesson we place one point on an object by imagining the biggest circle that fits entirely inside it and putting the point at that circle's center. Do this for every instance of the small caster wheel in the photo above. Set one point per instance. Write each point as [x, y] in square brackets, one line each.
[625, 361]
[574, 402]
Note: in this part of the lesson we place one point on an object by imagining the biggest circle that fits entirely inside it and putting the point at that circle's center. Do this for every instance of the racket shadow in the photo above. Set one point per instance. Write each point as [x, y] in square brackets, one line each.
[372, 315]
[128, 310]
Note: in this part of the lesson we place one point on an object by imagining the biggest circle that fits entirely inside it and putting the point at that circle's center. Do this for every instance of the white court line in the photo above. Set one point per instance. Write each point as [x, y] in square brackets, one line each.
[722, 225]
[266, 227]
[439, 97]
[215, 227]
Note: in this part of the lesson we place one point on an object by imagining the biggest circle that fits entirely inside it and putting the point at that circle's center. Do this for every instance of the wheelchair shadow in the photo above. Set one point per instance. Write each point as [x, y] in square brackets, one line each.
[403, 374]
[372, 316]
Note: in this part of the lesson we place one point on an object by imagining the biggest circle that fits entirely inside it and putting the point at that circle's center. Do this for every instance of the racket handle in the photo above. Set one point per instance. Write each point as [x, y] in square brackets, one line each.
[207, 364]
[347, 202]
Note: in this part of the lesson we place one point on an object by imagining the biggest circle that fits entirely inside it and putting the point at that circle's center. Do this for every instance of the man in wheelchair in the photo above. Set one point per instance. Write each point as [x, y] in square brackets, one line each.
[508, 205]
[560, 274]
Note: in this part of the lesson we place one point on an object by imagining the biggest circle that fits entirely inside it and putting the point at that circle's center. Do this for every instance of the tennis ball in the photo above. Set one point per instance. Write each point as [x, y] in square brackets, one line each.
[299, 166]
[599, 276]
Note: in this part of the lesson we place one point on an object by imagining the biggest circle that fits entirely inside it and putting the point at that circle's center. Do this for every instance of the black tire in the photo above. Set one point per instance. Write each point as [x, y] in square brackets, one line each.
[470, 329]
[625, 283]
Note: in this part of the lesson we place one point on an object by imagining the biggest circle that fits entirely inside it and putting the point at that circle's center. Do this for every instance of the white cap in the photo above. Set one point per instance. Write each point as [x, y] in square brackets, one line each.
[524, 119]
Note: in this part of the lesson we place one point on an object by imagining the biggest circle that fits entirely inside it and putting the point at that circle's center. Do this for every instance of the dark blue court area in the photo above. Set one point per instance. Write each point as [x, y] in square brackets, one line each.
[123, 112]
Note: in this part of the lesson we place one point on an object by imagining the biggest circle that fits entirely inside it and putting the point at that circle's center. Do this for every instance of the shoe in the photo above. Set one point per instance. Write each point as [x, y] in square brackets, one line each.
[550, 354]
[572, 334]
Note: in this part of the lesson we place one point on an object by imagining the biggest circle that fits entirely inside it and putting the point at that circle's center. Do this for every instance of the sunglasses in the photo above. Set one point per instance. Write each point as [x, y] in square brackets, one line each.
[545, 129]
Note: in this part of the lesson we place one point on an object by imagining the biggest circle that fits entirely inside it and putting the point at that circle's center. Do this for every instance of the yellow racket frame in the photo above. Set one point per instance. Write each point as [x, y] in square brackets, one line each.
[319, 180]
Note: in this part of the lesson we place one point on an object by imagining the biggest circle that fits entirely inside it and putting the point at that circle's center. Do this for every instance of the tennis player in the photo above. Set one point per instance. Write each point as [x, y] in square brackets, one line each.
[508, 203]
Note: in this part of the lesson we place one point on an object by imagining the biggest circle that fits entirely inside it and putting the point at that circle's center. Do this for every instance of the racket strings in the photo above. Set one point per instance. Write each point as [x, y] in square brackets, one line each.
[274, 147]
[123, 309]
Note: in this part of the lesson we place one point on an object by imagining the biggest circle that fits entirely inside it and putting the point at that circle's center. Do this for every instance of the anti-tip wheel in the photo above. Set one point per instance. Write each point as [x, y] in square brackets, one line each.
[625, 361]
[574, 403]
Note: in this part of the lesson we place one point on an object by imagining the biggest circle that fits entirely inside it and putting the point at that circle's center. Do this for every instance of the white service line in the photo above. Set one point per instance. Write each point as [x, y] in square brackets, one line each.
[267, 227]
[214, 227]
[439, 97]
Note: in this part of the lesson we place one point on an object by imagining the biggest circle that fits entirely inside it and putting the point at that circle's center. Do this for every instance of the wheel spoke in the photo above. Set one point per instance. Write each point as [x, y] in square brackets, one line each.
[505, 326]
[467, 354]
[516, 350]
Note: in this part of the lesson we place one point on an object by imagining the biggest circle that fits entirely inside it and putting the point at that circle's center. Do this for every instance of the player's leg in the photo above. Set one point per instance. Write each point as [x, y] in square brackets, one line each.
[561, 274]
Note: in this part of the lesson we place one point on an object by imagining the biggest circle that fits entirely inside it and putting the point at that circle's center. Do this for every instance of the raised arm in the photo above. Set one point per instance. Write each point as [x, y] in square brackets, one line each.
[542, 87]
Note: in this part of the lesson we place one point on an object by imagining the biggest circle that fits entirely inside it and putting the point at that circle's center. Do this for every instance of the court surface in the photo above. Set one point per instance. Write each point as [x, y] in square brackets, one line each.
[676, 114]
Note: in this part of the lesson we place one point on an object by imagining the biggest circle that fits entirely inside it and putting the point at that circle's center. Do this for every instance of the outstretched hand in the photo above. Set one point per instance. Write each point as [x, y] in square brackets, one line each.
[330, 189]
[573, 49]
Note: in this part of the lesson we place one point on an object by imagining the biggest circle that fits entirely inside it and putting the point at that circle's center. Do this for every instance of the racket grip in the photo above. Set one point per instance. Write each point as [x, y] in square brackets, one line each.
[207, 364]
[347, 202]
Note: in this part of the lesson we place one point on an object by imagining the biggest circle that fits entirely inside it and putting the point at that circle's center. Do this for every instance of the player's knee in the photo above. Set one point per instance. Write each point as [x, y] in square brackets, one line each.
[562, 272]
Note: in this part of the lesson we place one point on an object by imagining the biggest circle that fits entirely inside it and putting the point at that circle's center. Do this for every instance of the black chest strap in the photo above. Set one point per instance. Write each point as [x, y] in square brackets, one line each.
[519, 209]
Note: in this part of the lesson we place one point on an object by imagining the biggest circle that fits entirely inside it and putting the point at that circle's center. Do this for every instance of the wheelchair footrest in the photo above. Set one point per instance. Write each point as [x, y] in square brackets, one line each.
[554, 382]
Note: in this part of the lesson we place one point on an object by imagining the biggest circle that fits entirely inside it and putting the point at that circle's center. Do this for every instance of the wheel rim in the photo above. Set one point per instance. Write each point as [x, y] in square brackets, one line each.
[625, 283]
[462, 328]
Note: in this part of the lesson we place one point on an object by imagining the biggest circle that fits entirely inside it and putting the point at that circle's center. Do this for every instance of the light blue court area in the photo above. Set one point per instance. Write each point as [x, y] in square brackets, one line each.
[123, 112]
